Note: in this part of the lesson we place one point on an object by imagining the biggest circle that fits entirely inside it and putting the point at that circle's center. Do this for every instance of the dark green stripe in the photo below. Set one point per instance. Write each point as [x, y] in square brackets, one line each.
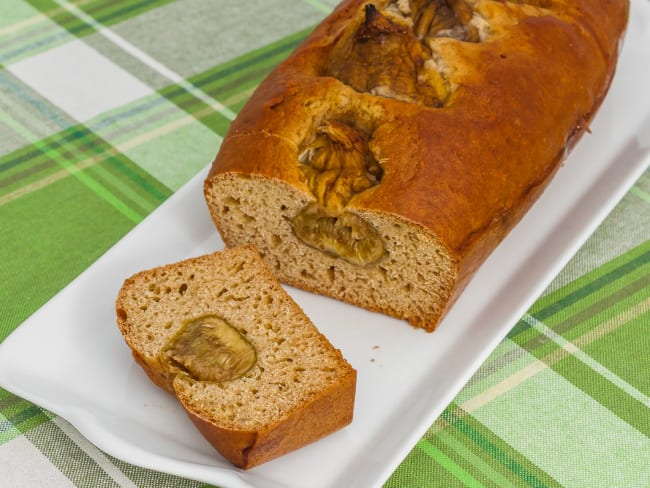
[60, 450]
[607, 302]
[26, 173]
[224, 90]
[137, 177]
[477, 461]
[539, 344]
[11, 405]
[7, 402]
[259, 56]
[145, 478]
[65, 19]
[108, 13]
[420, 470]
[24, 154]
[592, 287]
[188, 103]
[489, 445]
[76, 144]
[251, 68]
[624, 352]
[105, 13]
[592, 281]
[22, 416]
[142, 202]
[42, 148]
[462, 467]
[449, 465]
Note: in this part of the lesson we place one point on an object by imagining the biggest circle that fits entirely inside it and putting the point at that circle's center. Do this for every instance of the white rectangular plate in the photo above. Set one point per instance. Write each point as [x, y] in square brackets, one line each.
[70, 358]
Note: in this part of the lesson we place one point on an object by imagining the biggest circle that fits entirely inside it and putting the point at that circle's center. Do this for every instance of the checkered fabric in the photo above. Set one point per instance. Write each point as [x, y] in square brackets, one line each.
[107, 108]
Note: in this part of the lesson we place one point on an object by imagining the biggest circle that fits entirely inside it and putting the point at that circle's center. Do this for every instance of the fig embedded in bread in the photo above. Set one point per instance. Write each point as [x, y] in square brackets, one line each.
[251, 370]
[394, 149]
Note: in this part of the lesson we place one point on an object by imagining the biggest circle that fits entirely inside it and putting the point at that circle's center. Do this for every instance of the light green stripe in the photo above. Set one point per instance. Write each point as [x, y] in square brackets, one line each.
[490, 442]
[127, 192]
[9, 434]
[627, 409]
[588, 361]
[449, 464]
[19, 12]
[109, 13]
[628, 302]
[19, 417]
[128, 121]
[507, 359]
[601, 294]
[97, 188]
[615, 268]
[608, 307]
[142, 116]
[17, 127]
[601, 389]
[640, 193]
[320, 6]
[154, 133]
[478, 464]
[82, 176]
[579, 323]
[557, 423]
[39, 115]
[32, 42]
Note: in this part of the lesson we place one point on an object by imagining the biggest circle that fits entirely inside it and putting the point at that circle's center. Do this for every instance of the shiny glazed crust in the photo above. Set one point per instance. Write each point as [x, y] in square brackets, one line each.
[468, 132]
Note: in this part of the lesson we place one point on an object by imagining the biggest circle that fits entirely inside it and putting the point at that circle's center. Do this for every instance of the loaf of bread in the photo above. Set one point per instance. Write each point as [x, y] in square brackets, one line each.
[388, 156]
[252, 372]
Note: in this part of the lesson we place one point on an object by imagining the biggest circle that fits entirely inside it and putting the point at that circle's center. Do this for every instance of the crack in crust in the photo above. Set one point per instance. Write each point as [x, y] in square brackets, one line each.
[391, 55]
[444, 18]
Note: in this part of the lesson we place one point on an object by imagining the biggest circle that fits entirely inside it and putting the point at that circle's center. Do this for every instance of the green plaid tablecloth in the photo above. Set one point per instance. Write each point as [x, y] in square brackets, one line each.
[108, 107]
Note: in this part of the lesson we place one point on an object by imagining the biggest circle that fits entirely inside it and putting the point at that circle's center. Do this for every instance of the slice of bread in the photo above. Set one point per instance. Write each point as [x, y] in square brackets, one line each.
[285, 386]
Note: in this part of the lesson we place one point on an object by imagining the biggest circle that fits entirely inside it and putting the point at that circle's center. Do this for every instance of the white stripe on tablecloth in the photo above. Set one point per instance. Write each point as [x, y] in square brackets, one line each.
[578, 353]
[95, 454]
[23, 465]
[148, 60]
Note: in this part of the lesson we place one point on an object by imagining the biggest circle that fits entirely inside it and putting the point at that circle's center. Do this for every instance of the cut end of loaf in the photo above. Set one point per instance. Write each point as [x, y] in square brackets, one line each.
[295, 369]
[412, 281]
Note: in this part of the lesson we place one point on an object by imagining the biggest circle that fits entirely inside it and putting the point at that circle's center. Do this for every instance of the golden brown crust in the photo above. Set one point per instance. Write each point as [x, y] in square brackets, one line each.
[467, 168]
[327, 412]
